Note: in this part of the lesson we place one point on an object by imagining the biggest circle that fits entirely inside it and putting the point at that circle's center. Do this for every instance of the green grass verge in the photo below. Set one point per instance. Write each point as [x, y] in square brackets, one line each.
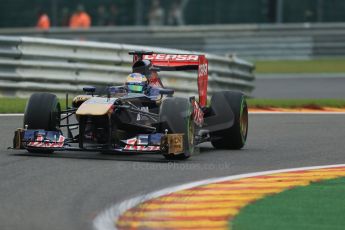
[17, 105]
[318, 206]
[301, 66]
[12, 105]
[295, 103]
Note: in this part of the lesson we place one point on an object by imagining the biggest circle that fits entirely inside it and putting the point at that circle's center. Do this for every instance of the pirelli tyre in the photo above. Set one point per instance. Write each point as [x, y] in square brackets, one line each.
[235, 136]
[42, 112]
[175, 115]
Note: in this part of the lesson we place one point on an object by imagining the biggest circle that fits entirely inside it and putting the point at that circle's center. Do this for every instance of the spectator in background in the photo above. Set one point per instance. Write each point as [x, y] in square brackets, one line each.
[64, 17]
[80, 19]
[113, 15]
[156, 14]
[172, 14]
[43, 21]
[309, 15]
[102, 16]
[175, 15]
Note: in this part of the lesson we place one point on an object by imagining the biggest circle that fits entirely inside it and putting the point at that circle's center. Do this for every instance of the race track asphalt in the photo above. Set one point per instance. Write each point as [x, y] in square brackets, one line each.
[67, 190]
[299, 87]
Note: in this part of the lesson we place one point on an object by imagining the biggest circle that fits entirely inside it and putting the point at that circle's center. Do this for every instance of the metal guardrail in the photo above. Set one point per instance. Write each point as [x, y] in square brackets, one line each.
[37, 64]
[253, 41]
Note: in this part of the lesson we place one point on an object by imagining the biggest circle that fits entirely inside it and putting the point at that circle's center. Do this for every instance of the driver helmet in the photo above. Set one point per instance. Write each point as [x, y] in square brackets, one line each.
[136, 83]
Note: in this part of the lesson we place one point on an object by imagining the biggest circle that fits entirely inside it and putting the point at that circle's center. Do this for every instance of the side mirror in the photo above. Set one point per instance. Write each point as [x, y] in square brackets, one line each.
[89, 89]
[117, 89]
[168, 92]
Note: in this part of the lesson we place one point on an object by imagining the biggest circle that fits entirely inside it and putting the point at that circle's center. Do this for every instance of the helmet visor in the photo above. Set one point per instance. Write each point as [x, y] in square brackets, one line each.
[135, 88]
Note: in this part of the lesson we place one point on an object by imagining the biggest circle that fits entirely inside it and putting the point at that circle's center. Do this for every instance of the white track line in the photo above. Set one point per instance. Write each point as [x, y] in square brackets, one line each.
[107, 219]
[11, 114]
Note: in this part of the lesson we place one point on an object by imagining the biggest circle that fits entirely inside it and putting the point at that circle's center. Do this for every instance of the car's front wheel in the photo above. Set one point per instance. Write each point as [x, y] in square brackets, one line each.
[176, 116]
[42, 112]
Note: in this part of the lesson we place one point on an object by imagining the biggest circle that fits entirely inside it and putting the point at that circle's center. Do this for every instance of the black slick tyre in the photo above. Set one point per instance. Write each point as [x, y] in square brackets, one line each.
[176, 116]
[233, 137]
[42, 112]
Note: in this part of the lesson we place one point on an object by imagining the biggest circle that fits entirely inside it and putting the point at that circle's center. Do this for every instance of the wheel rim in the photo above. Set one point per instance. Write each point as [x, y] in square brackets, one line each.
[244, 122]
[55, 117]
[190, 133]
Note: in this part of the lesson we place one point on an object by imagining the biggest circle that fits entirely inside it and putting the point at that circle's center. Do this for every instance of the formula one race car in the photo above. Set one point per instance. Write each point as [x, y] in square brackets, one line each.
[141, 116]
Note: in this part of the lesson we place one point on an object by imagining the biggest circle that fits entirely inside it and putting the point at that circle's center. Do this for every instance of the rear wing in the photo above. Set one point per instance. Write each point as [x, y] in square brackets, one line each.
[179, 62]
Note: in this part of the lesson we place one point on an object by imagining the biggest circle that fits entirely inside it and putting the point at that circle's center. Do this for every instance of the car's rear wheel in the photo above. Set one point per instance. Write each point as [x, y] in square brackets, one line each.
[176, 116]
[235, 136]
[42, 112]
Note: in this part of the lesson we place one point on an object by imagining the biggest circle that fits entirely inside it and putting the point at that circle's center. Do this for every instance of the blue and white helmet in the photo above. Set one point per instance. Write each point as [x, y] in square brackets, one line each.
[136, 83]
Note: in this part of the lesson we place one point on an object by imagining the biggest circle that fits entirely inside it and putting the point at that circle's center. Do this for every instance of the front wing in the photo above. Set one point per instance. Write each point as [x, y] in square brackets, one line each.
[41, 140]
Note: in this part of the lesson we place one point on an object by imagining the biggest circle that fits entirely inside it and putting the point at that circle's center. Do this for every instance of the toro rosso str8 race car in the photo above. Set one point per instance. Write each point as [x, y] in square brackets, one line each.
[138, 118]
